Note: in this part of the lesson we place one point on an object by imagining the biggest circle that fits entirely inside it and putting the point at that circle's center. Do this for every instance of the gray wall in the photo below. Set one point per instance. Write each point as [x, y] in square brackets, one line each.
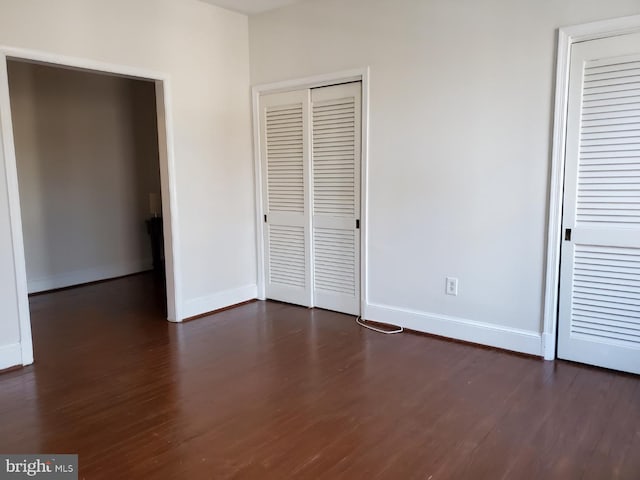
[460, 122]
[87, 157]
[204, 52]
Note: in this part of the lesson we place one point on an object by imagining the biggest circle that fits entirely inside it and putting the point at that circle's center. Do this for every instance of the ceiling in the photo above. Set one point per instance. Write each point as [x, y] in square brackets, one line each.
[251, 7]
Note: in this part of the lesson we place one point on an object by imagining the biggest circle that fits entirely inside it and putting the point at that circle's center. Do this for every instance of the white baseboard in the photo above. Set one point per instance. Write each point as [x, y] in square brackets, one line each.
[78, 277]
[549, 346]
[10, 355]
[517, 340]
[215, 301]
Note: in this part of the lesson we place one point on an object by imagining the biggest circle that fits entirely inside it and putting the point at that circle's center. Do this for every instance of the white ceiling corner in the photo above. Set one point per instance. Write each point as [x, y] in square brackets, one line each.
[251, 7]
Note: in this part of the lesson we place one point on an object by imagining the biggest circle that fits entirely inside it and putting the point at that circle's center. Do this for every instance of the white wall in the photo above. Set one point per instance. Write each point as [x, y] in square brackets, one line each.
[87, 158]
[460, 122]
[204, 51]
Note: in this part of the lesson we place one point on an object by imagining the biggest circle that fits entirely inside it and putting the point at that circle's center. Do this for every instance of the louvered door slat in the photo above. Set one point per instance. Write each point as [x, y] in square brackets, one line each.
[597, 315]
[336, 197]
[608, 166]
[285, 179]
[599, 320]
[325, 202]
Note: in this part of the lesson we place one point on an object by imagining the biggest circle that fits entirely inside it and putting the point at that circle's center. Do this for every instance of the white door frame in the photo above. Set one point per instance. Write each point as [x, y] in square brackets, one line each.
[566, 37]
[167, 176]
[356, 75]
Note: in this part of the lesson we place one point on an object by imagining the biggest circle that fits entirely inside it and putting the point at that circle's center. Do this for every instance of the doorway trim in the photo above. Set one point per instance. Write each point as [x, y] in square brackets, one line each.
[567, 36]
[167, 177]
[355, 75]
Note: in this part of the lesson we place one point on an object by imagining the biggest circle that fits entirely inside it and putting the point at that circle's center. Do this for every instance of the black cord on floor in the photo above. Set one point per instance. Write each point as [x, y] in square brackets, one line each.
[379, 330]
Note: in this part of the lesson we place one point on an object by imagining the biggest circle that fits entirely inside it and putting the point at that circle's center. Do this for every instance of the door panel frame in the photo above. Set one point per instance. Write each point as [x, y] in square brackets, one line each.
[355, 75]
[567, 36]
[281, 292]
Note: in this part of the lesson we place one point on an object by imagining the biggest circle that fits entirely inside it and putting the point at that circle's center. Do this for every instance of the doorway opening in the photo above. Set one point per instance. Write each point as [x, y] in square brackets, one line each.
[89, 163]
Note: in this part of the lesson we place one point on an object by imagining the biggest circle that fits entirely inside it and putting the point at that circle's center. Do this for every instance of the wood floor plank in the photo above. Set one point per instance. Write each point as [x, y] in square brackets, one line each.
[273, 391]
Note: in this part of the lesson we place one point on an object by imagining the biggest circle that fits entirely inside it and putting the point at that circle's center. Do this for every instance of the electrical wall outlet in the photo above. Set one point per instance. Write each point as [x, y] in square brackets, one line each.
[451, 286]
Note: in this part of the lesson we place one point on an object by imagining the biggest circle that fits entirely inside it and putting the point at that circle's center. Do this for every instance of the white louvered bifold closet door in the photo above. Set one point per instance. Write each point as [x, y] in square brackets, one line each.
[599, 317]
[336, 138]
[285, 171]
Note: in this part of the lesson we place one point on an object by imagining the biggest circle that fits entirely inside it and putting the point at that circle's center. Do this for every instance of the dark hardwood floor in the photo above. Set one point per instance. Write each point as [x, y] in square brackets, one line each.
[273, 391]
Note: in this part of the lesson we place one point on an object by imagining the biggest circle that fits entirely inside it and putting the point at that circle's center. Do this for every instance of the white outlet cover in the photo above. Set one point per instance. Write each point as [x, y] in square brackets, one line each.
[451, 286]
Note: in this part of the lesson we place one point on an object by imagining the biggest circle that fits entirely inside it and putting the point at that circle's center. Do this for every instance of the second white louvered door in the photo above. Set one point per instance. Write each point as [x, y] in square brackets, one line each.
[310, 148]
[284, 147]
[599, 314]
[335, 160]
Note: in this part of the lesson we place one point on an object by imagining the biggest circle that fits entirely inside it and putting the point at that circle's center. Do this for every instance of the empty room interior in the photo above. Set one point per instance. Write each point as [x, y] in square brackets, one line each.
[332, 239]
[88, 173]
